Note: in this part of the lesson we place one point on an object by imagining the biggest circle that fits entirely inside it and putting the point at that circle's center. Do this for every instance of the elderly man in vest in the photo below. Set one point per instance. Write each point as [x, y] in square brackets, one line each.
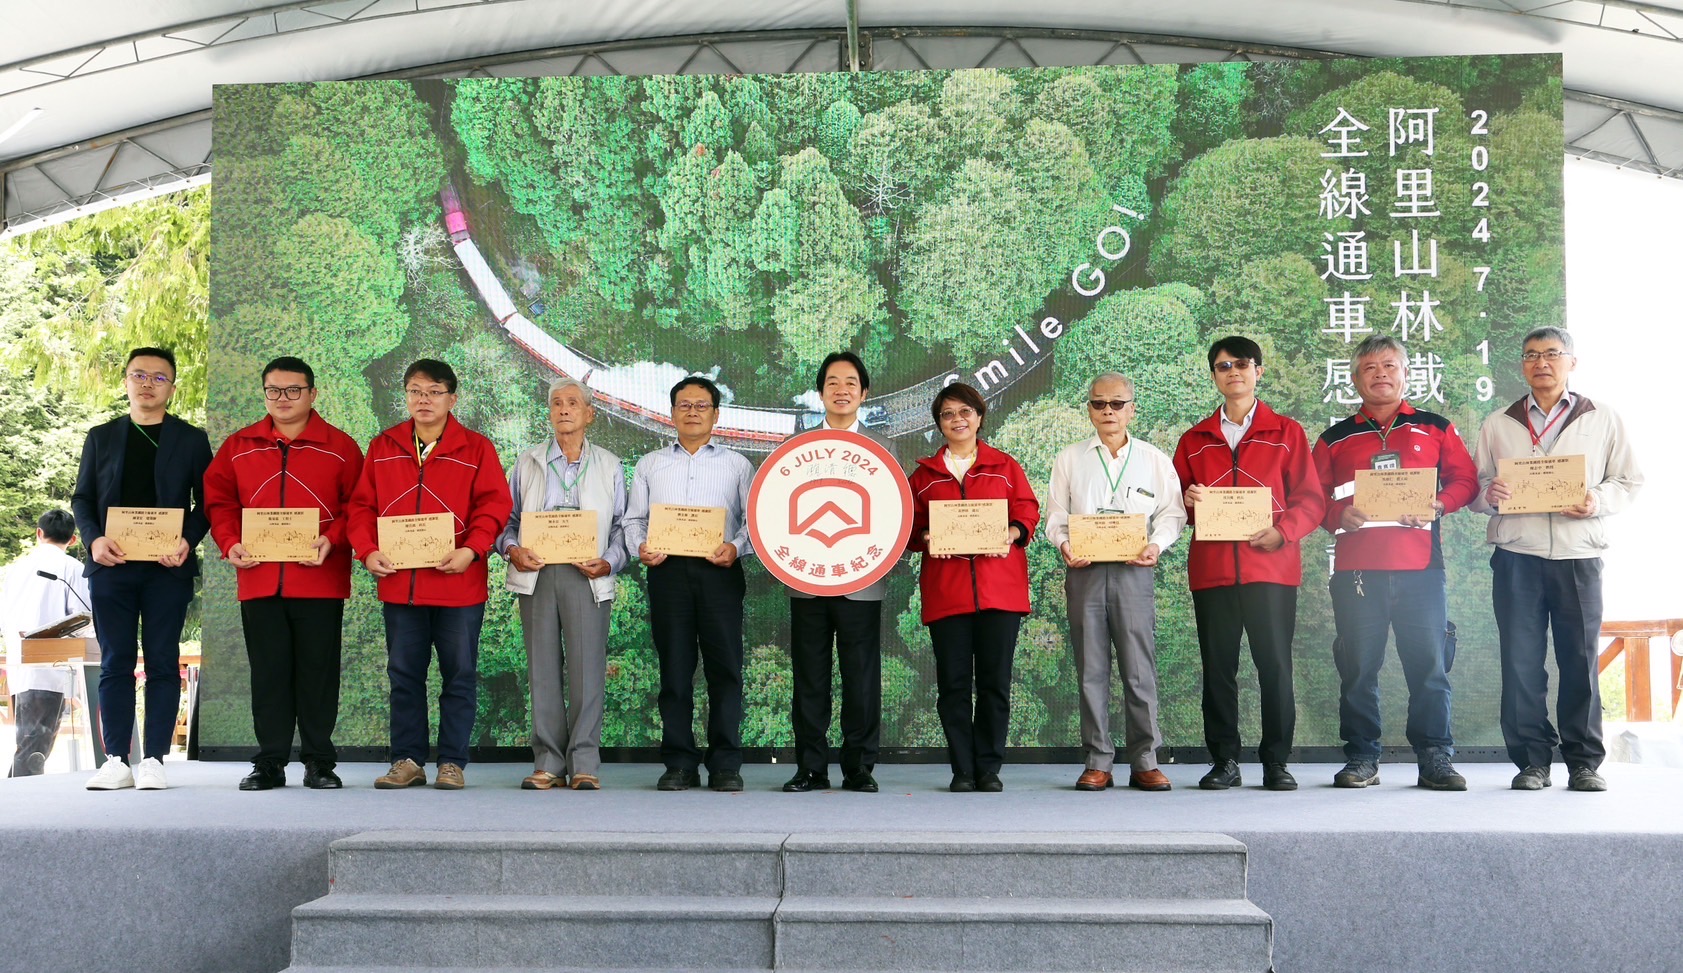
[564, 607]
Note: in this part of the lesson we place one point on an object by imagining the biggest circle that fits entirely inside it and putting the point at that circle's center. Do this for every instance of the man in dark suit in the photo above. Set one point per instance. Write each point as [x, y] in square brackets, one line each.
[853, 623]
[147, 458]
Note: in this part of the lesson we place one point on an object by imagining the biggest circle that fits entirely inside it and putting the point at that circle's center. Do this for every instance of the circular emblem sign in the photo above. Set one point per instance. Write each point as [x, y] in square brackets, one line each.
[830, 512]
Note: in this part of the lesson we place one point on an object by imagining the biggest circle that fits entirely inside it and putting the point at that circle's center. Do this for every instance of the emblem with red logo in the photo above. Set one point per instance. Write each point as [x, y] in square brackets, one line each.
[830, 512]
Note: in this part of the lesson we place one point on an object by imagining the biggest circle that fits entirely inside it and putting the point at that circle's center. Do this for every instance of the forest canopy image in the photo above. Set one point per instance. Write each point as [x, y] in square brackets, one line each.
[1020, 230]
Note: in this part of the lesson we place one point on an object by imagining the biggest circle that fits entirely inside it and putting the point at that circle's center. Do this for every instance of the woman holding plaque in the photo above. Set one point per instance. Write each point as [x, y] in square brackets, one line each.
[563, 546]
[973, 512]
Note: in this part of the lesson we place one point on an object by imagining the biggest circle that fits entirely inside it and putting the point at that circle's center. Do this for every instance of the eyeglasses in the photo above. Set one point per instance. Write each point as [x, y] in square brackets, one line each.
[1551, 356]
[1114, 405]
[691, 406]
[953, 415]
[1227, 366]
[150, 378]
[275, 393]
[421, 395]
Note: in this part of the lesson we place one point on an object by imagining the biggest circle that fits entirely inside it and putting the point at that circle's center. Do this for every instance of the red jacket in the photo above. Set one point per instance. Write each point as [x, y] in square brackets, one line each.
[1422, 440]
[959, 584]
[1273, 453]
[258, 467]
[462, 476]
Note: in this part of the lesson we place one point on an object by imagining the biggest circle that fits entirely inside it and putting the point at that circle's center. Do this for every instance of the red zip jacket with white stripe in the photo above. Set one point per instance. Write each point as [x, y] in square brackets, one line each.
[1421, 440]
[258, 467]
[1273, 453]
[461, 476]
[961, 584]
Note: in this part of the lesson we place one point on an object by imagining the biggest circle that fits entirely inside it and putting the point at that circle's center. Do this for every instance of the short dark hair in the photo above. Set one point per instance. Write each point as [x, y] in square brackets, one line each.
[843, 356]
[57, 525]
[699, 381]
[1239, 347]
[163, 353]
[961, 393]
[434, 369]
[287, 363]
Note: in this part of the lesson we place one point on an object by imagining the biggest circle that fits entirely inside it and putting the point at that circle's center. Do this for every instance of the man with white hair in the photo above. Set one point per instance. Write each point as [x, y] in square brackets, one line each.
[1547, 566]
[564, 608]
[1113, 602]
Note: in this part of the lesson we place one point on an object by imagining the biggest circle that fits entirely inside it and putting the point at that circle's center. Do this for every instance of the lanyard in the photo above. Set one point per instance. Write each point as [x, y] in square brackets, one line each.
[154, 442]
[1537, 437]
[1115, 484]
[1384, 434]
[566, 487]
[423, 450]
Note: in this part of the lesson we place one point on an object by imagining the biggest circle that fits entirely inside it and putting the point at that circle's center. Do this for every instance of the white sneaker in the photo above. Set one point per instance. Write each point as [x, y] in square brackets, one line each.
[113, 775]
[150, 777]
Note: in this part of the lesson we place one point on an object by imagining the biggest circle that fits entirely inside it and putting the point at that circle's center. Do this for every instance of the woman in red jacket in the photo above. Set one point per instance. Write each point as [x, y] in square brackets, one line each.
[972, 604]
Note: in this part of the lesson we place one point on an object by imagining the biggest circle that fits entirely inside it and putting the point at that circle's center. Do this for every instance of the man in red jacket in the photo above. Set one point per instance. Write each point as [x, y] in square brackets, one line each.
[291, 611]
[1388, 574]
[1248, 587]
[428, 465]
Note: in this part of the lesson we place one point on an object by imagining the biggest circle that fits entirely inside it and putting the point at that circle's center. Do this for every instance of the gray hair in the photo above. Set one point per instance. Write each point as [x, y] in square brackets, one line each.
[1378, 344]
[1549, 333]
[564, 382]
[1110, 377]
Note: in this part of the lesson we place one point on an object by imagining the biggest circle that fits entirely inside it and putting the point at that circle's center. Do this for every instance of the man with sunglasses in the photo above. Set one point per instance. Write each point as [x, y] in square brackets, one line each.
[1112, 602]
[1249, 587]
[291, 611]
[1547, 566]
[431, 464]
[147, 458]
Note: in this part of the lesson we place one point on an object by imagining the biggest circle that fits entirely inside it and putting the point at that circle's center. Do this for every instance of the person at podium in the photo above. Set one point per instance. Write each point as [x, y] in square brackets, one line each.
[41, 587]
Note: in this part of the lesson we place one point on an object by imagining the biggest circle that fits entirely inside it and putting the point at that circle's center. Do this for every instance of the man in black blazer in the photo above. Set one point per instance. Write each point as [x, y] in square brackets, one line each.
[147, 458]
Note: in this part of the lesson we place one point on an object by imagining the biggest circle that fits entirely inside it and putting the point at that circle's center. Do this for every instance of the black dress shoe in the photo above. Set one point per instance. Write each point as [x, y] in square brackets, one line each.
[1223, 775]
[962, 784]
[861, 781]
[263, 777]
[989, 783]
[806, 780]
[321, 777]
[678, 779]
[1275, 777]
[725, 780]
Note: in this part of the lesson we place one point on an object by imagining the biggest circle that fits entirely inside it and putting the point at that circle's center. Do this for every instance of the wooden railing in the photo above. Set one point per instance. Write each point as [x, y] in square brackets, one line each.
[1630, 639]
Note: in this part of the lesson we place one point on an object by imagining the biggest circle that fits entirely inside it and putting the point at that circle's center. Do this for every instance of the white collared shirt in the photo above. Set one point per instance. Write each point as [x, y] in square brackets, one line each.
[1081, 484]
[1547, 426]
[1235, 431]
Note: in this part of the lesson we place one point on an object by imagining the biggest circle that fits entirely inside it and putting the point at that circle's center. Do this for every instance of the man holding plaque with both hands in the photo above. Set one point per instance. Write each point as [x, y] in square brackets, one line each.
[686, 523]
[1251, 467]
[1115, 508]
[1547, 558]
[563, 545]
[1390, 472]
[276, 495]
[144, 467]
[426, 512]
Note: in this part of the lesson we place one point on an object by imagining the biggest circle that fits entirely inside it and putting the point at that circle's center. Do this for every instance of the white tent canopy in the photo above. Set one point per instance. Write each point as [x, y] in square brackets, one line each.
[107, 99]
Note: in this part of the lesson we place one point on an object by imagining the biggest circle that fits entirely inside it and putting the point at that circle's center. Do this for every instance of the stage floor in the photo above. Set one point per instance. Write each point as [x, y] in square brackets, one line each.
[202, 876]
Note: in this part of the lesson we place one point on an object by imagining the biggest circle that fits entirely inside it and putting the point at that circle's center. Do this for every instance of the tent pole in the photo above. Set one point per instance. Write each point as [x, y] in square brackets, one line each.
[853, 35]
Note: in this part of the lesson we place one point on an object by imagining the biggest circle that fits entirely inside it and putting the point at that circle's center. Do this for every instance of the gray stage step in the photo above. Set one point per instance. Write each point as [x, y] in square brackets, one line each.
[1164, 865]
[592, 932]
[1034, 934]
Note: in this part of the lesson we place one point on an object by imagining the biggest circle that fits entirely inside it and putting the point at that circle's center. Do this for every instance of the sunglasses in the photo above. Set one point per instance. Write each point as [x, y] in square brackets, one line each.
[1114, 405]
[1227, 366]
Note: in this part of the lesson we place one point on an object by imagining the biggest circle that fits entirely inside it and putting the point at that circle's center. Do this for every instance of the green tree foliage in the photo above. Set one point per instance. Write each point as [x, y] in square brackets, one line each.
[1153, 339]
[1210, 104]
[492, 118]
[1281, 294]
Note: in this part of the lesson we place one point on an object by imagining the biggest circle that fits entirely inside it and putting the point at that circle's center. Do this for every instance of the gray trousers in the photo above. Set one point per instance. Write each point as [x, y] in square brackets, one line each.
[1112, 604]
[566, 725]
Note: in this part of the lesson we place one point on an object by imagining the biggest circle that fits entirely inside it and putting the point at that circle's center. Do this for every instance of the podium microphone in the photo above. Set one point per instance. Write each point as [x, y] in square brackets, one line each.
[53, 577]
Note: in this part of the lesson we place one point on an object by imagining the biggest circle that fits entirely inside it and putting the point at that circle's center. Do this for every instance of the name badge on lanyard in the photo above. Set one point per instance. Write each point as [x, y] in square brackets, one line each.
[1391, 460]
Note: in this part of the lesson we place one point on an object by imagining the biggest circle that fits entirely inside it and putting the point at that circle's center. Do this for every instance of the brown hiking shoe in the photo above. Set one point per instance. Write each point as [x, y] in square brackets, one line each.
[449, 778]
[404, 773]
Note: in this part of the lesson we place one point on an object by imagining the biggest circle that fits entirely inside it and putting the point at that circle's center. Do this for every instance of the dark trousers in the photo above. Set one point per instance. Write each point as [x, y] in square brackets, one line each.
[1533, 595]
[1267, 614]
[974, 651]
[139, 606]
[1414, 605]
[293, 647]
[38, 712]
[856, 628]
[695, 608]
[413, 632]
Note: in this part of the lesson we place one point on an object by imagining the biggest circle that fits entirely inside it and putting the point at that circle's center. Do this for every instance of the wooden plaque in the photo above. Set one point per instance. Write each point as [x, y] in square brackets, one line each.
[1390, 495]
[685, 531]
[145, 533]
[280, 533]
[1106, 537]
[1233, 513]
[968, 527]
[417, 540]
[560, 536]
[1542, 484]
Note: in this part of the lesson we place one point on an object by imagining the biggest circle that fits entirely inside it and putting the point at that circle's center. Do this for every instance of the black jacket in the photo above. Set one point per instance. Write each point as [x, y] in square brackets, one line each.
[179, 475]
